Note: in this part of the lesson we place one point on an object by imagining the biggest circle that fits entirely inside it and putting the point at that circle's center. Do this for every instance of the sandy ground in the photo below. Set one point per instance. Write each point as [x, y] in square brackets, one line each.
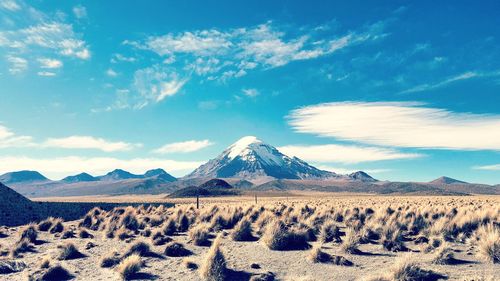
[287, 265]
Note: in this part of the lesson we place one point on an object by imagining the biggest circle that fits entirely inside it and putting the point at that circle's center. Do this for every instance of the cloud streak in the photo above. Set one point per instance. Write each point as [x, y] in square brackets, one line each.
[346, 154]
[461, 77]
[183, 147]
[88, 142]
[399, 124]
[494, 167]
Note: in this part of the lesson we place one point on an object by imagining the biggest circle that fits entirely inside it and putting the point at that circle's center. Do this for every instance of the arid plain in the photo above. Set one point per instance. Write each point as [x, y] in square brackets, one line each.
[303, 236]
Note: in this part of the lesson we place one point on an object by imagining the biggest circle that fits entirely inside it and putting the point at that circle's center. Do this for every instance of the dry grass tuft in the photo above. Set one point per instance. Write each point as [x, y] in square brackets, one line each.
[129, 267]
[330, 232]
[22, 246]
[110, 260]
[200, 234]
[351, 242]
[280, 237]
[489, 243]
[140, 248]
[8, 266]
[57, 226]
[444, 255]
[29, 233]
[46, 224]
[243, 231]
[175, 249]
[214, 266]
[54, 273]
[68, 251]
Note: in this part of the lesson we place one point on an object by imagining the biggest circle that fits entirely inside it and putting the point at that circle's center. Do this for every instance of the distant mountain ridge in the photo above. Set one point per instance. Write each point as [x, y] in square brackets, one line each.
[20, 177]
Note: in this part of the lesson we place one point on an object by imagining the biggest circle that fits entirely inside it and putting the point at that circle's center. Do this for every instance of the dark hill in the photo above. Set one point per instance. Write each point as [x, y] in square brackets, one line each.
[211, 188]
[216, 183]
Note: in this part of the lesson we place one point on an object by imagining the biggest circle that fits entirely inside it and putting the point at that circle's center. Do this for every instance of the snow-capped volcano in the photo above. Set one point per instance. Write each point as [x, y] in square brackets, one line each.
[250, 158]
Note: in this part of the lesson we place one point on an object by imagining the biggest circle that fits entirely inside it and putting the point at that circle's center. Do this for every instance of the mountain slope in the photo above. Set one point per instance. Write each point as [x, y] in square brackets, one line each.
[251, 158]
[22, 177]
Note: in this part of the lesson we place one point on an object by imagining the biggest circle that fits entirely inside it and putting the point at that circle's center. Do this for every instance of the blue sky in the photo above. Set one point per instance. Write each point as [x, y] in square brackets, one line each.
[402, 90]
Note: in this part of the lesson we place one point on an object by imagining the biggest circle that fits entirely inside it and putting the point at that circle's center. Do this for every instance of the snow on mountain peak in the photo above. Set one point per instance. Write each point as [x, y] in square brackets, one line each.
[238, 148]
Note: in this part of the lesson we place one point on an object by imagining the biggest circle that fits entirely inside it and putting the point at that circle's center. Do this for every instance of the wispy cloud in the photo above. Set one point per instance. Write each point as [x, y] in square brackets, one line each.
[56, 36]
[494, 167]
[111, 73]
[224, 54]
[80, 12]
[17, 64]
[10, 5]
[251, 92]
[88, 142]
[59, 167]
[347, 154]
[401, 124]
[183, 147]
[46, 73]
[153, 84]
[50, 63]
[121, 58]
[461, 77]
[10, 139]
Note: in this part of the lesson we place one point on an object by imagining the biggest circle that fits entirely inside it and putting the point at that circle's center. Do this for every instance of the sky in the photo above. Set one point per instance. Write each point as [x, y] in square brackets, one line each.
[405, 91]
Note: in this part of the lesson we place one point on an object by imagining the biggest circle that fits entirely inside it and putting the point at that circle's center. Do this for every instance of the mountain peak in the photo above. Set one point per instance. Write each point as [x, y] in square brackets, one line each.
[119, 174]
[238, 148]
[446, 180]
[82, 177]
[161, 174]
[362, 176]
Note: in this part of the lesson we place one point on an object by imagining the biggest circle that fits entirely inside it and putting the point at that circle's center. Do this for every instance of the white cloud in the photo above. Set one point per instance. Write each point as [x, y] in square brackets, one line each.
[183, 147]
[88, 142]
[10, 5]
[50, 63]
[111, 73]
[17, 64]
[56, 36]
[233, 52]
[59, 167]
[251, 92]
[464, 76]
[203, 43]
[80, 12]
[344, 153]
[46, 73]
[10, 139]
[401, 124]
[153, 84]
[494, 167]
[121, 58]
